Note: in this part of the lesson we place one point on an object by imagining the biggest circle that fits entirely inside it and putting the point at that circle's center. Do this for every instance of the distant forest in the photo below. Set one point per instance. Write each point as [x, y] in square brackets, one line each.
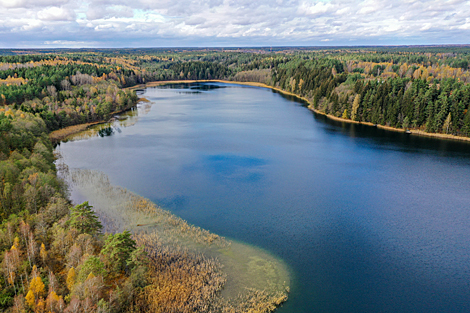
[423, 88]
[54, 257]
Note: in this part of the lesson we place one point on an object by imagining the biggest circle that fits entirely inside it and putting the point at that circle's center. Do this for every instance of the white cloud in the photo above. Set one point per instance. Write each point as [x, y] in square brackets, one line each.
[66, 43]
[367, 10]
[56, 14]
[315, 9]
[232, 22]
[31, 24]
[426, 26]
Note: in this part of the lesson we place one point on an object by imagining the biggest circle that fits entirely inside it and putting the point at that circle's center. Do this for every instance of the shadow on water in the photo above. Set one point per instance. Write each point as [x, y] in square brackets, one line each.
[295, 99]
[205, 87]
[400, 141]
[192, 86]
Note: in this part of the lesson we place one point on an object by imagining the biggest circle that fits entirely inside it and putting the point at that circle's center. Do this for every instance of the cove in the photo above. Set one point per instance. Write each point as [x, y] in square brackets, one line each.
[368, 220]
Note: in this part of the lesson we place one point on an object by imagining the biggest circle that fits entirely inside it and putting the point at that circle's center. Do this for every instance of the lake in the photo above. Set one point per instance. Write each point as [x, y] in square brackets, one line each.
[368, 220]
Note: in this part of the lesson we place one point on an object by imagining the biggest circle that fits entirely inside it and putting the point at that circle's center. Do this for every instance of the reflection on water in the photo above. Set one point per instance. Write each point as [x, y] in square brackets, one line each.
[369, 220]
[126, 119]
[233, 167]
[107, 131]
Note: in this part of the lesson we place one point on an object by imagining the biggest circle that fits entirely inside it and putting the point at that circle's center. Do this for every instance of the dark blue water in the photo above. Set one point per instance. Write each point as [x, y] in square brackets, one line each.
[368, 220]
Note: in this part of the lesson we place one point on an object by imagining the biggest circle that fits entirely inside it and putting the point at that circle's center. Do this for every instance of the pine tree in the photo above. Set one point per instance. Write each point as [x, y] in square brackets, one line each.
[84, 219]
[92, 264]
[466, 123]
[406, 122]
[118, 249]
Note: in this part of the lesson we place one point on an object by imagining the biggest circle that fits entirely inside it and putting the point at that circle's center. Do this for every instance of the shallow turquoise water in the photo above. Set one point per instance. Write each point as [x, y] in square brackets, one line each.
[369, 220]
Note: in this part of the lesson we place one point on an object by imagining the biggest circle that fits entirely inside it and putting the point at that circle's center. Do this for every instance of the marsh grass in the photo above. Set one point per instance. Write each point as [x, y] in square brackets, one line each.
[192, 269]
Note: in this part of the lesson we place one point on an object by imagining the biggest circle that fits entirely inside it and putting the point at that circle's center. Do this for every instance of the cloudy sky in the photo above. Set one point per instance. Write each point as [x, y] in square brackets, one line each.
[201, 23]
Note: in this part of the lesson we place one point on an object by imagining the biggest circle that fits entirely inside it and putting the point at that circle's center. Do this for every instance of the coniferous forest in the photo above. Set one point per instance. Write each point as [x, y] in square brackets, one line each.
[54, 255]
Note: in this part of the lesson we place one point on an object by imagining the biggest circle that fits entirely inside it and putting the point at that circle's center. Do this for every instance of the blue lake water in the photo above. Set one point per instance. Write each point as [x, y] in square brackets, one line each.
[368, 220]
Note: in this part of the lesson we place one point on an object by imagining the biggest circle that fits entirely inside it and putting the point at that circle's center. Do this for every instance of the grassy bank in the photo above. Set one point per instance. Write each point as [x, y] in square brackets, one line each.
[220, 275]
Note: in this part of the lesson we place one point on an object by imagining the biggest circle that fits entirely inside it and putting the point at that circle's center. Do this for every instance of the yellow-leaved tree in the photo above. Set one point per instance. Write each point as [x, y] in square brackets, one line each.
[30, 299]
[71, 276]
[355, 107]
[43, 253]
[37, 286]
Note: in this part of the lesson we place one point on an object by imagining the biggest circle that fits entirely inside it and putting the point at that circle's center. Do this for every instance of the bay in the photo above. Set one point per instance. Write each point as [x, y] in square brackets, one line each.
[368, 220]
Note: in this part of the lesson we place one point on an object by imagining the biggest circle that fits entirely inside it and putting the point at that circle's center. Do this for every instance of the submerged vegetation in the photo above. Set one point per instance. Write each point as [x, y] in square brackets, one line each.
[190, 265]
[57, 257]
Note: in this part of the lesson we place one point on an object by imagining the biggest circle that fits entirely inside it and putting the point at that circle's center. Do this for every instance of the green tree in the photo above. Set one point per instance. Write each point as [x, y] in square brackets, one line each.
[406, 122]
[84, 219]
[118, 250]
[92, 265]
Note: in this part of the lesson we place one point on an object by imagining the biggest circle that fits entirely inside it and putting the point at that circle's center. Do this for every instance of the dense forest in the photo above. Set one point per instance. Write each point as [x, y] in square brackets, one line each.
[423, 88]
[55, 257]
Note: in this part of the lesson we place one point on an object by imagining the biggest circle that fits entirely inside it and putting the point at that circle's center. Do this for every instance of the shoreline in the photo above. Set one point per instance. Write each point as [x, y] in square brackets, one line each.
[251, 274]
[61, 134]
[415, 132]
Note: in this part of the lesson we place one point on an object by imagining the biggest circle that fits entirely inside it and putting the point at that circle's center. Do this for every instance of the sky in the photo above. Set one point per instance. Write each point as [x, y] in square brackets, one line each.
[231, 23]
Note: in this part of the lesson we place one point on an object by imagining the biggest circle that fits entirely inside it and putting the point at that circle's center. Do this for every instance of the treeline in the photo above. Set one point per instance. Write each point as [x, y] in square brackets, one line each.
[83, 104]
[404, 103]
[200, 70]
[39, 78]
[396, 83]
[316, 78]
[416, 102]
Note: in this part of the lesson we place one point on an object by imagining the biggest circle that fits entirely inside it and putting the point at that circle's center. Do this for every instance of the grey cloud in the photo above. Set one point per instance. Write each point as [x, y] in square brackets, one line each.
[31, 3]
[195, 21]
[214, 22]
[100, 12]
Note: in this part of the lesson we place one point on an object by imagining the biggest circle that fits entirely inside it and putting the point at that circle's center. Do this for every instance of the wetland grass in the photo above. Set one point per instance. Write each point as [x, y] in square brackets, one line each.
[192, 269]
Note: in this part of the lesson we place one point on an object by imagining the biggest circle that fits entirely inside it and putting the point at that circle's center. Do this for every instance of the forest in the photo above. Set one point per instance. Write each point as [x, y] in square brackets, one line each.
[55, 256]
[422, 88]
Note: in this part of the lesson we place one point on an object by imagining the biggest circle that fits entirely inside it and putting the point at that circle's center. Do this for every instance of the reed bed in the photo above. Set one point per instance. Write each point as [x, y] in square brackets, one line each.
[191, 268]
